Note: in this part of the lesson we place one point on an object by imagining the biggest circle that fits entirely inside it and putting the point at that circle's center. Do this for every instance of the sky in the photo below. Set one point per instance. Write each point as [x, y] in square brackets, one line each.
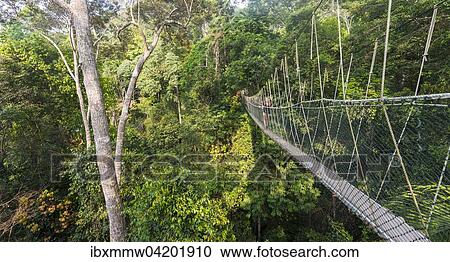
[240, 3]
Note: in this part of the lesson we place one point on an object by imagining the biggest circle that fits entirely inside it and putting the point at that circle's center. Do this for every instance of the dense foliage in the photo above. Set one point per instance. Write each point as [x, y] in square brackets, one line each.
[196, 167]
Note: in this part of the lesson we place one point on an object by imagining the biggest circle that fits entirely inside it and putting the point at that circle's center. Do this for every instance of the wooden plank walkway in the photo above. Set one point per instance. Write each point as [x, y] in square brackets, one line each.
[388, 225]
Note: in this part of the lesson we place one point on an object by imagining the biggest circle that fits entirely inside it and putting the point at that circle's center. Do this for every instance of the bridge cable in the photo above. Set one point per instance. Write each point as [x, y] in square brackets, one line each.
[438, 188]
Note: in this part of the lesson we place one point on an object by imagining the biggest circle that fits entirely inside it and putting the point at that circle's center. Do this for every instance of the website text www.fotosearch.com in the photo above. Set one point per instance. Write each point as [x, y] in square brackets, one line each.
[209, 252]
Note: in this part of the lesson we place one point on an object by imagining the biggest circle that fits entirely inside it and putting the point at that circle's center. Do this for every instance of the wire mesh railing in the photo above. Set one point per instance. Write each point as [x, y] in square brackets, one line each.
[365, 168]
[386, 158]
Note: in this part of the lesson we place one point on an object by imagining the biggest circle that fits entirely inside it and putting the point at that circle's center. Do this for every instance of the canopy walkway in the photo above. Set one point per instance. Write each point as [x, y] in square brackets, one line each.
[385, 158]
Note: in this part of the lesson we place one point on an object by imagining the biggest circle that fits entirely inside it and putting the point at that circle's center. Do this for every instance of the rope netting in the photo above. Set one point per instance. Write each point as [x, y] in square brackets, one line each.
[386, 158]
[376, 170]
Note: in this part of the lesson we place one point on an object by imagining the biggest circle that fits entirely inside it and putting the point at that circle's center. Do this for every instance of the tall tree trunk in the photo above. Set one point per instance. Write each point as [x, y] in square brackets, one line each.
[99, 120]
[180, 117]
[86, 125]
[148, 50]
[76, 78]
[125, 110]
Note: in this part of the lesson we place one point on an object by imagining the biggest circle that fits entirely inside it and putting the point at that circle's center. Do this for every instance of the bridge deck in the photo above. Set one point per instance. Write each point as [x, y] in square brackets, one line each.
[386, 223]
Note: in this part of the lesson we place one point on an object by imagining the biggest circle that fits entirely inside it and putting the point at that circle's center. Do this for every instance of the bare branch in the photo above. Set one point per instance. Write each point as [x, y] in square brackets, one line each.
[60, 53]
[138, 11]
[169, 21]
[148, 50]
[189, 11]
[186, 4]
[174, 22]
[172, 12]
[158, 30]
[96, 43]
[190, 7]
[123, 28]
[155, 39]
[144, 37]
[99, 38]
[97, 46]
[63, 4]
[72, 38]
[131, 11]
[141, 31]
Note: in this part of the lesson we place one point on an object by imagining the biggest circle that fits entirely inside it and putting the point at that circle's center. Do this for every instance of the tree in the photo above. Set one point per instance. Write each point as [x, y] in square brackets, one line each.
[38, 118]
[78, 10]
[74, 73]
[148, 48]
[110, 179]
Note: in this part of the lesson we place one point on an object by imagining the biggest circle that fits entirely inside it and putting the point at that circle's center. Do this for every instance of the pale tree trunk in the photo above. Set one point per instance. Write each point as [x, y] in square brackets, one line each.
[125, 111]
[217, 57]
[148, 50]
[99, 120]
[76, 78]
[180, 117]
[87, 129]
[86, 126]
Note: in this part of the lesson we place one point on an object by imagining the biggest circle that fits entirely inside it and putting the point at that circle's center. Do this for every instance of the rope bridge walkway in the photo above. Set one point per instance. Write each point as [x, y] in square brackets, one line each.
[385, 158]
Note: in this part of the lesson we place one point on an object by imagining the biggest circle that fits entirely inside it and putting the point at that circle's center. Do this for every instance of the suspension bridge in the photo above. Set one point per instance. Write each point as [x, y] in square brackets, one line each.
[385, 158]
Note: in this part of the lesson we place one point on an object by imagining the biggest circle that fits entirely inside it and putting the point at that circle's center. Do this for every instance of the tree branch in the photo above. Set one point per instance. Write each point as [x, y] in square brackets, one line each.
[174, 22]
[148, 50]
[155, 39]
[63, 4]
[189, 11]
[138, 11]
[172, 12]
[123, 28]
[72, 38]
[61, 54]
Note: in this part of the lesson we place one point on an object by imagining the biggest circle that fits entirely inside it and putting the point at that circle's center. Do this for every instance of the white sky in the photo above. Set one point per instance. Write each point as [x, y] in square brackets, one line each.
[239, 3]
